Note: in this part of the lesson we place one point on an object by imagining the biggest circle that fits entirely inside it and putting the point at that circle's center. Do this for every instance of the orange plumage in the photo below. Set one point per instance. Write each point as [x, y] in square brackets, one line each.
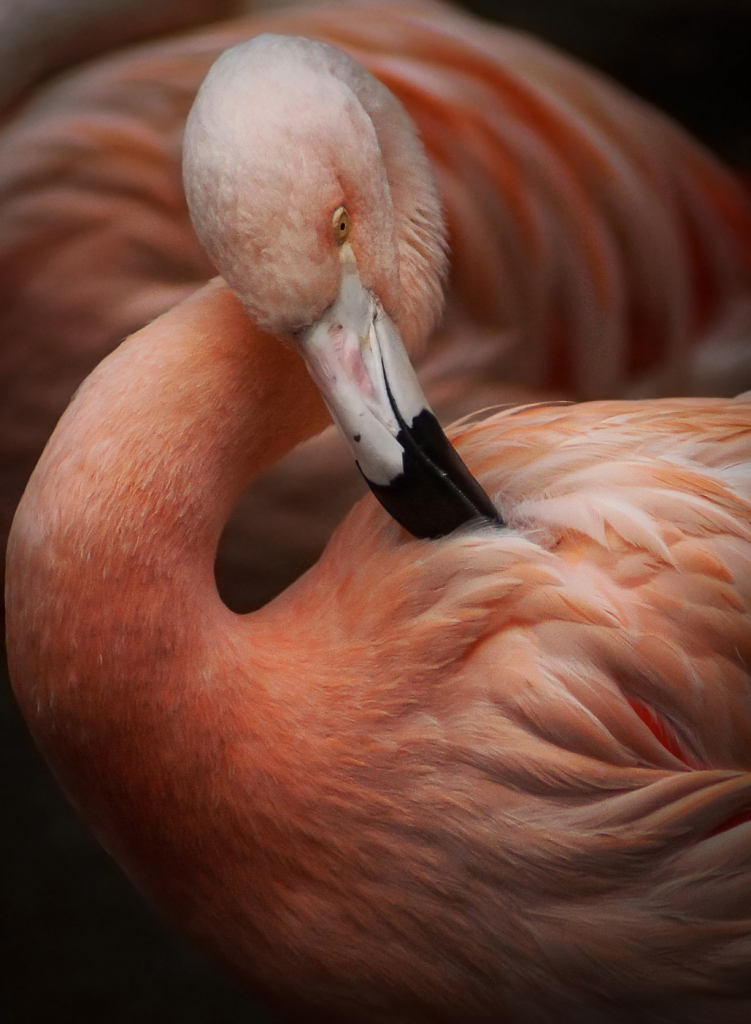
[501, 775]
[417, 785]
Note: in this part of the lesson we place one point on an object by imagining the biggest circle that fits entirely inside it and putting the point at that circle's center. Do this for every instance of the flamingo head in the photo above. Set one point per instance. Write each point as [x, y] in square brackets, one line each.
[312, 194]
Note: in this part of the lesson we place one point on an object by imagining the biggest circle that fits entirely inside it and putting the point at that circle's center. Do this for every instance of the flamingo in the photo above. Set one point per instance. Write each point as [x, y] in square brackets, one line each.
[596, 250]
[496, 772]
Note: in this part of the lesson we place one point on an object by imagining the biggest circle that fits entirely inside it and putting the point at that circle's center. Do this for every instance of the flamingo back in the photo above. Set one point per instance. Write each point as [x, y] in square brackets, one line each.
[567, 704]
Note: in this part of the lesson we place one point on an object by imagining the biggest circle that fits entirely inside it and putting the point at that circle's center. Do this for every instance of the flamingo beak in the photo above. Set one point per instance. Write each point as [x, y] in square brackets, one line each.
[357, 359]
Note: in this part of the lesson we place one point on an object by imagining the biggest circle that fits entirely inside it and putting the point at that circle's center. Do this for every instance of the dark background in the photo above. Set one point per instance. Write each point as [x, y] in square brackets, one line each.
[78, 944]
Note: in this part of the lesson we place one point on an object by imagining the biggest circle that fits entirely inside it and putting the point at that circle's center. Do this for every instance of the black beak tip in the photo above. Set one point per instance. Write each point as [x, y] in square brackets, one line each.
[435, 493]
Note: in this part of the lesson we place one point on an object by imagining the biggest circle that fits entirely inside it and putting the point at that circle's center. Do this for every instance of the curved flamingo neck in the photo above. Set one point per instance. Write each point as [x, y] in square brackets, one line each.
[165, 434]
[115, 539]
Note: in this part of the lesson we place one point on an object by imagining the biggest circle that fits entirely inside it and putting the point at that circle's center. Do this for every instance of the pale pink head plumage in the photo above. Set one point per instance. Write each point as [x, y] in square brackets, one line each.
[284, 130]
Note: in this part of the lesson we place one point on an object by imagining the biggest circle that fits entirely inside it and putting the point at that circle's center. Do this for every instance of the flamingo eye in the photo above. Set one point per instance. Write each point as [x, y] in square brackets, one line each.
[341, 224]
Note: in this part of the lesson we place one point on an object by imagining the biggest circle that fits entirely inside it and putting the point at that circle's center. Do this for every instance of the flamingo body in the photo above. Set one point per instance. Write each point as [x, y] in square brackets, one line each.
[431, 781]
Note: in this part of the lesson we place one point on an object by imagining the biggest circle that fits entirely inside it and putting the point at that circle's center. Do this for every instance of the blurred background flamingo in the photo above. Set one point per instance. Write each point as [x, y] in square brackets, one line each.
[610, 310]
